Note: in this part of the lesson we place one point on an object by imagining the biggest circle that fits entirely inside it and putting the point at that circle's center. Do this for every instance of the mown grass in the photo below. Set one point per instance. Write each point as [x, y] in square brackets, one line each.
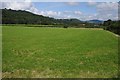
[57, 52]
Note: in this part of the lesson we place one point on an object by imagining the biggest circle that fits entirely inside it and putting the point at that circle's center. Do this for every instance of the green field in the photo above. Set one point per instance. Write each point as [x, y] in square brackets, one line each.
[57, 52]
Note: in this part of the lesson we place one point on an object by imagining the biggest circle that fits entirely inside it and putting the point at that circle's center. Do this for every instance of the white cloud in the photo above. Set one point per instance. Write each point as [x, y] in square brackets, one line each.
[64, 14]
[78, 12]
[108, 6]
[73, 3]
[92, 2]
[33, 10]
[50, 13]
[25, 5]
[17, 6]
[108, 10]
[105, 10]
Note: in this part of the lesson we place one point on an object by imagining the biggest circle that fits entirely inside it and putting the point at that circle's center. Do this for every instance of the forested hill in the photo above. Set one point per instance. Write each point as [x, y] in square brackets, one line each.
[24, 17]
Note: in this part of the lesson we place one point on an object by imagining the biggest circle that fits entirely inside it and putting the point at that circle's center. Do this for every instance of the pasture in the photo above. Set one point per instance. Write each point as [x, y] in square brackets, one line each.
[30, 52]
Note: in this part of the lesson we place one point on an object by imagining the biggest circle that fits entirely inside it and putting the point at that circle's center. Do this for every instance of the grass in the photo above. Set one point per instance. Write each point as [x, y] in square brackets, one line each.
[30, 52]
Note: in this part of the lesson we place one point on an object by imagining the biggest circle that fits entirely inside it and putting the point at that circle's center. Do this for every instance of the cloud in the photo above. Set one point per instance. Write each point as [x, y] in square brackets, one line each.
[78, 12]
[17, 5]
[73, 3]
[92, 2]
[60, 15]
[25, 5]
[108, 10]
[50, 13]
[108, 6]
[104, 10]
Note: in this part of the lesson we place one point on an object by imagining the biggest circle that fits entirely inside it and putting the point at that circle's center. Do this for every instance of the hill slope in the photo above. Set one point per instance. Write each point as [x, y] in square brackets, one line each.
[24, 17]
[95, 21]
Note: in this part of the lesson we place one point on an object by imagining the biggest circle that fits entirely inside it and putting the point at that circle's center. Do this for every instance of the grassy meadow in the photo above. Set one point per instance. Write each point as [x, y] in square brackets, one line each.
[30, 52]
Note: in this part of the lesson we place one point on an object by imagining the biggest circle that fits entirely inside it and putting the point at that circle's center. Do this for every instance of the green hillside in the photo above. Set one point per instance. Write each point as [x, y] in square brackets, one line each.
[24, 17]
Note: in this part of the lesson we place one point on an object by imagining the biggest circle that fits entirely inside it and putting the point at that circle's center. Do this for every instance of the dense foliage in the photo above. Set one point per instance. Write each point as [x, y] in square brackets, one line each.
[112, 26]
[23, 17]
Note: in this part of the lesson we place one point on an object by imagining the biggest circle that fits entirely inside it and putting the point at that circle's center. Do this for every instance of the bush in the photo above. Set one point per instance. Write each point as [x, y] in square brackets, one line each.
[65, 26]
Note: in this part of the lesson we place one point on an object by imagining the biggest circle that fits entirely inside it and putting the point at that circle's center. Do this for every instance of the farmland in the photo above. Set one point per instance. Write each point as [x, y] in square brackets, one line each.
[58, 52]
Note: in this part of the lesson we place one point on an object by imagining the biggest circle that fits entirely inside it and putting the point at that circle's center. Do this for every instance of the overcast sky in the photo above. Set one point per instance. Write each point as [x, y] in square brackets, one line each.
[80, 10]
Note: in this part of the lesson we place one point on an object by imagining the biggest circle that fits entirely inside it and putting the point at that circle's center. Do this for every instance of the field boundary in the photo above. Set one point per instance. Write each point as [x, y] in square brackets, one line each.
[113, 33]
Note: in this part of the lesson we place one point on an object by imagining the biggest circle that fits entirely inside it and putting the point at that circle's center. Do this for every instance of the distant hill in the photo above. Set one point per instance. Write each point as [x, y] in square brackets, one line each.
[95, 21]
[24, 17]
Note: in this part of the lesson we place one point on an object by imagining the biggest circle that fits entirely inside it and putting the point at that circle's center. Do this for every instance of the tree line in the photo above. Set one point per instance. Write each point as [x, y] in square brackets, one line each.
[112, 26]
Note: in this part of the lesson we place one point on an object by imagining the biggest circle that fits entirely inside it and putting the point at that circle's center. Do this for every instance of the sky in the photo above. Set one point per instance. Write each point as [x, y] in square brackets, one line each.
[87, 10]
